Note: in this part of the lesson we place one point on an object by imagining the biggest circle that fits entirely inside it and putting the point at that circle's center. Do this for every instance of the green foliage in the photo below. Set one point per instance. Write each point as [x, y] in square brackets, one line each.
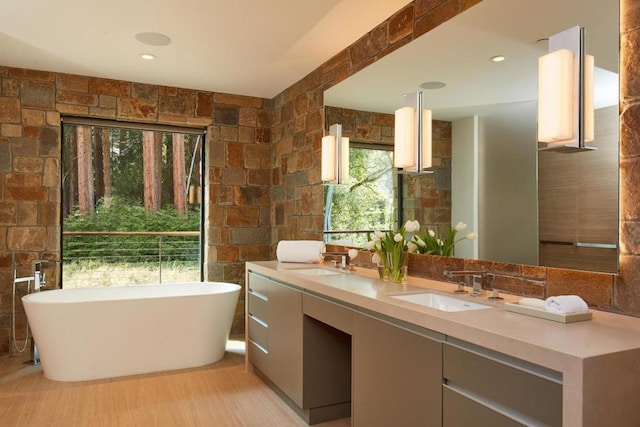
[119, 214]
[429, 243]
[126, 163]
[367, 202]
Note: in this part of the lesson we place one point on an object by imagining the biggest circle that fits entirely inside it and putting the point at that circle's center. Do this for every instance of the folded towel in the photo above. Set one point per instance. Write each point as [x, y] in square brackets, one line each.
[309, 251]
[566, 304]
[532, 302]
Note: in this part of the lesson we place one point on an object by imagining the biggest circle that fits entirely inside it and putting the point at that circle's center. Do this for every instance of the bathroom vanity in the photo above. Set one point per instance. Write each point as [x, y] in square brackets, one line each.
[335, 344]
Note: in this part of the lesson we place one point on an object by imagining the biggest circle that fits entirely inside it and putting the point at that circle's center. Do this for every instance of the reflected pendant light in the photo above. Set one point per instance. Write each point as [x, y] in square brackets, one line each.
[565, 93]
[335, 156]
[412, 151]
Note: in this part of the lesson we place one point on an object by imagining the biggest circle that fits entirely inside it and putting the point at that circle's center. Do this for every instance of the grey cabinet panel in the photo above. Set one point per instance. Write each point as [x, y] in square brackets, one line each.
[397, 376]
[526, 393]
[258, 356]
[459, 411]
[259, 284]
[258, 332]
[258, 307]
[332, 314]
[285, 340]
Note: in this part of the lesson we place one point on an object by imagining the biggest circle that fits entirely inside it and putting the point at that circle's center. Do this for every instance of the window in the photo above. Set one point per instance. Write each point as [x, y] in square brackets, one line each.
[130, 203]
[368, 202]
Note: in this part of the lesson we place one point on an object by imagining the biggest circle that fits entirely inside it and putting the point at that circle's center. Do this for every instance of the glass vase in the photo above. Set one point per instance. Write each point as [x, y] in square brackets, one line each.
[396, 266]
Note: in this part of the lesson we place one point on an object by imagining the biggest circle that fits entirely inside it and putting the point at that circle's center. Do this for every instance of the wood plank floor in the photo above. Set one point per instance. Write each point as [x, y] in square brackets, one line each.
[221, 394]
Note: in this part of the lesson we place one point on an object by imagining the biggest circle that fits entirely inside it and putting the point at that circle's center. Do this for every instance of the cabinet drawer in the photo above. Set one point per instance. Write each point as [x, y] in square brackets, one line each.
[258, 356]
[258, 332]
[528, 393]
[460, 411]
[258, 307]
[259, 284]
[332, 314]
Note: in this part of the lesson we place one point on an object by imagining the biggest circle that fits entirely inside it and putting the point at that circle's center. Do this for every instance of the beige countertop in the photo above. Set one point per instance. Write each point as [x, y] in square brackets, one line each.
[544, 342]
[599, 359]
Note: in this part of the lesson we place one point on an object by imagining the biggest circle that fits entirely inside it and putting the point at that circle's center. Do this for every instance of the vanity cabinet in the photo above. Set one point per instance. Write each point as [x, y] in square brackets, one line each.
[482, 387]
[397, 374]
[275, 333]
[307, 361]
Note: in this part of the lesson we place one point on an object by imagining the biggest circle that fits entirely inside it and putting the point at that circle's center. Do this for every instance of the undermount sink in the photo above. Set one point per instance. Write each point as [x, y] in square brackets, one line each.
[441, 302]
[317, 271]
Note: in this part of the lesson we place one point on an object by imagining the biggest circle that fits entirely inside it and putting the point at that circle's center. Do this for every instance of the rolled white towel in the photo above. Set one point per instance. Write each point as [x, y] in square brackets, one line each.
[308, 251]
[533, 302]
[566, 304]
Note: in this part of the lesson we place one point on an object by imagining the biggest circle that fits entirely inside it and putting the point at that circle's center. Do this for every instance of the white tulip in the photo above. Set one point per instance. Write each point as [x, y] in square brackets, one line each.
[432, 233]
[398, 237]
[375, 258]
[412, 247]
[370, 245]
[460, 226]
[353, 253]
[379, 234]
[419, 241]
[412, 226]
[440, 242]
[471, 236]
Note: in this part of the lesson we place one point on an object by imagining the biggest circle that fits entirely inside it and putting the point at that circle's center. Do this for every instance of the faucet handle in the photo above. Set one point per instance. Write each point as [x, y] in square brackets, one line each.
[495, 295]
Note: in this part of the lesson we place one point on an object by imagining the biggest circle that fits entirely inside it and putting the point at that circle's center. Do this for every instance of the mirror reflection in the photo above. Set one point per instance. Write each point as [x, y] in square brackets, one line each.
[528, 207]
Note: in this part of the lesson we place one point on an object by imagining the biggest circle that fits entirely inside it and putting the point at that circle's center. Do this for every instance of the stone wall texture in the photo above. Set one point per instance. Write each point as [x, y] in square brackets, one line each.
[263, 164]
[297, 130]
[426, 197]
[238, 160]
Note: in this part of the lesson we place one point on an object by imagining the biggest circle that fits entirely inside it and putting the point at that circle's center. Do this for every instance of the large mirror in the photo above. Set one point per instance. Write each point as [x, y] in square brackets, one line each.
[528, 207]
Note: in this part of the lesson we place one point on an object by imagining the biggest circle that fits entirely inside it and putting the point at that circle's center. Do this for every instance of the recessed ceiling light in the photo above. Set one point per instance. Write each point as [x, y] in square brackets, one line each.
[433, 85]
[153, 39]
[147, 56]
[498, 58]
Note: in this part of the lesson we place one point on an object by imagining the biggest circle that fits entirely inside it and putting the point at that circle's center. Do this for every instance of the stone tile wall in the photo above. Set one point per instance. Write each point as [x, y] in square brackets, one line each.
[296, 219]
[297, 117]
[626, 296]
[238, 161]
[427, 197]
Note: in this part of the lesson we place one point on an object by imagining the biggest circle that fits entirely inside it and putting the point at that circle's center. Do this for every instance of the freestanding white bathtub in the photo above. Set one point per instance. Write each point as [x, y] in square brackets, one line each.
[90, 333]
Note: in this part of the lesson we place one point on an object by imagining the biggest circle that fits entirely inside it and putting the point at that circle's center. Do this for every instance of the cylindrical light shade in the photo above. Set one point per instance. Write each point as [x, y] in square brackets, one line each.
[427, 158]
[589, 107]
[344, 160]
[328, 172]
[335, 156]
[404, 150]
[557, 97]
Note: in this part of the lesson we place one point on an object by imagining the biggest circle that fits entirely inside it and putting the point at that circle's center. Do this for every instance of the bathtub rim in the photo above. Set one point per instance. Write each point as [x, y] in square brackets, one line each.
[50, 296]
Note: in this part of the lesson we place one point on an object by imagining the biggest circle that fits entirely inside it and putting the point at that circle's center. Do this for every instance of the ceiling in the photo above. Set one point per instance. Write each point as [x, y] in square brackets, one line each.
[259, 48]
[248, 47]
[458, 53]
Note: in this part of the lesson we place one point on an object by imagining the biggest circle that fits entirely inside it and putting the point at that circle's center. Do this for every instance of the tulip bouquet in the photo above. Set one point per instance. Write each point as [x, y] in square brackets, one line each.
[428, 243]
[390, 250]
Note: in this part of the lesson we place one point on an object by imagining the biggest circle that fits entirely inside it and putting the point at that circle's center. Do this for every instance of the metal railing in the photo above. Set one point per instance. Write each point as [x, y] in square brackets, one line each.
[95, 258]
[354, 237]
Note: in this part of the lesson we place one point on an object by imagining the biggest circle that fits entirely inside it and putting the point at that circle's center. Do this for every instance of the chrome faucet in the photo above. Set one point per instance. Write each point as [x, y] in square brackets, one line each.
[476, 287]
[344, 259]
[38, 275]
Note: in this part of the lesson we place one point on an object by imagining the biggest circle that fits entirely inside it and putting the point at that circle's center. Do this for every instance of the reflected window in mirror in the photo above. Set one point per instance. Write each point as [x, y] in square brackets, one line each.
[518, 208]
[369, 201]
